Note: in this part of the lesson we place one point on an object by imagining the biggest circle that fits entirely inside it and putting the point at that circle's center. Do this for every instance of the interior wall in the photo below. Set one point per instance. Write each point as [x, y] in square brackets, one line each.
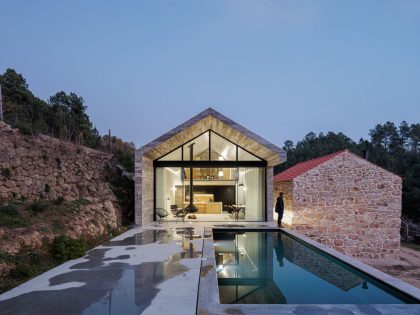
[160, 188]
[252, 194]
[225, 194]
[172, 178]
[167, 178]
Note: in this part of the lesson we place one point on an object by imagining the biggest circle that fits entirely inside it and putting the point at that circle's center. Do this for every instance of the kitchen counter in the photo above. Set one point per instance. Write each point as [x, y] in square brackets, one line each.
[207, 207]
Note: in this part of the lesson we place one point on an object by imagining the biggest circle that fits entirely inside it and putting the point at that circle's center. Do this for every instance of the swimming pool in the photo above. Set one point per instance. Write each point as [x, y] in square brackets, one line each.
[272, 267]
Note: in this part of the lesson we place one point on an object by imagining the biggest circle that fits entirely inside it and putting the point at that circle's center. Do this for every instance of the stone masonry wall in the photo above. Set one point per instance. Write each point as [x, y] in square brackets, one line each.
[351, 205]
[286, 187]
[42, 167]
[143, 181]
[269, 190]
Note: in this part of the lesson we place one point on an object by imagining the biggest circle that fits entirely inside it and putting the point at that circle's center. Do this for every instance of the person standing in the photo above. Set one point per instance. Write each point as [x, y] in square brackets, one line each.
[279, 208]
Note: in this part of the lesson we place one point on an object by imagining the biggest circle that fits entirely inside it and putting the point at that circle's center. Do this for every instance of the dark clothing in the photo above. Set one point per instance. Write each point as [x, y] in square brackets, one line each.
[279, 248]
[279, 205]
[279, 209]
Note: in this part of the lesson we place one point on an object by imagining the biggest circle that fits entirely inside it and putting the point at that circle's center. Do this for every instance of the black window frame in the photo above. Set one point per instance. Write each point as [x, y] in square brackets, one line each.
[209, 164]
[210, 131]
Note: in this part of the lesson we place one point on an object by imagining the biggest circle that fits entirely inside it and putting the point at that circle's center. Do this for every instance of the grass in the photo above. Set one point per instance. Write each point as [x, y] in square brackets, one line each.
[400, 268]
[29, 263]
[46, 217]
[26, 264]
[10, 217]
[10, 209]
[38, 206]
[411, 246]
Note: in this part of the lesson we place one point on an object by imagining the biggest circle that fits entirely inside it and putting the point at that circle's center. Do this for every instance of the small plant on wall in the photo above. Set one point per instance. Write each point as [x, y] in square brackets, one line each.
[6, 172]
[47, 188]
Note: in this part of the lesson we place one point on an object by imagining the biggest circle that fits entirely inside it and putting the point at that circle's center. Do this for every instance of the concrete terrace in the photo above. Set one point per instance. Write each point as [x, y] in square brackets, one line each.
[162, 269]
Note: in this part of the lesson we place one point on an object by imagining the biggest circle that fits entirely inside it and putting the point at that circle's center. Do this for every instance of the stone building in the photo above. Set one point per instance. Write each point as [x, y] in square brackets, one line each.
[345, 202]
[211, 165]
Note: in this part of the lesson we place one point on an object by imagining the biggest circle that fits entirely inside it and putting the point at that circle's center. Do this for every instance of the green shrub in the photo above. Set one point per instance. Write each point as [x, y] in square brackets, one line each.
[44, 229]
[57, 225]
[38, 206]
[65, 248]
[3, 256]
[11, 220]
[6, 172]
[9, 209]
[59, 201]
[47, 188]
[22, 271]
[25, 129]
[27, 256]
[82, 202]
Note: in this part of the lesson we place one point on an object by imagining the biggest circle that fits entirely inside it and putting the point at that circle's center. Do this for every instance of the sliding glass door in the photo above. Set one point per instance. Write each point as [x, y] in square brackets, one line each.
[251, 192]
[230, 192]
[210, 175]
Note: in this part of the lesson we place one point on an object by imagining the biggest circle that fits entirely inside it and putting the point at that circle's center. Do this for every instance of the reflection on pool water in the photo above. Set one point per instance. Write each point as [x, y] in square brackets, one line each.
[274, 268]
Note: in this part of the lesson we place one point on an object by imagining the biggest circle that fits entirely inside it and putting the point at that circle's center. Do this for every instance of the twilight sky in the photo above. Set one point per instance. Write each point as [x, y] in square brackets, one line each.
[280, 68]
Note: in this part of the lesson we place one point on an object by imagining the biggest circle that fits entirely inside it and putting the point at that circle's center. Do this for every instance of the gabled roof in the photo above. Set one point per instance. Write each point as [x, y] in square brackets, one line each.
[211, 119]
[304, 167]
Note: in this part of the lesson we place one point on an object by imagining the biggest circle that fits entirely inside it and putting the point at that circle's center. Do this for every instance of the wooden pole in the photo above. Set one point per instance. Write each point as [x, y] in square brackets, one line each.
[1, 105]
[109, 140]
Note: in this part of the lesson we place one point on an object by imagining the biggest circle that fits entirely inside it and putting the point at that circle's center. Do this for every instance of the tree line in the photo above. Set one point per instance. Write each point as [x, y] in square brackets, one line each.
[63, 116]
[395, 148]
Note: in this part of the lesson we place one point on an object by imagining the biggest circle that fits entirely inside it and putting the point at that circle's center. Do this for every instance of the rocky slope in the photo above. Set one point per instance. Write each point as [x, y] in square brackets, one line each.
[57, 187]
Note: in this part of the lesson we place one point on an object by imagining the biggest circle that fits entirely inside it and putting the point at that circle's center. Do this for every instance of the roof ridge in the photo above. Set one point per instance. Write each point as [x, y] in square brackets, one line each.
[278, 155]
[330, 155]
[305, 166]
[324, 156]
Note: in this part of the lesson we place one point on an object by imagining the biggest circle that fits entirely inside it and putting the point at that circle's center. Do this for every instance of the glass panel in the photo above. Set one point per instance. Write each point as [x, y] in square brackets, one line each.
[214, 190]
[200, 148]
[169, 188]
[213, 174]
[222, 149]
[173, 156]
[251, 192]
[246, 156]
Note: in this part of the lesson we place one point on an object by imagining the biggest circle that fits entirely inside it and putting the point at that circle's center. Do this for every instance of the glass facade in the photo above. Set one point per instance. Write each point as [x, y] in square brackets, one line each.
[230, 183]
[200, 148]
[236, 193]
[244, 155]
[222, 149]
[175, 155]
[209, 146]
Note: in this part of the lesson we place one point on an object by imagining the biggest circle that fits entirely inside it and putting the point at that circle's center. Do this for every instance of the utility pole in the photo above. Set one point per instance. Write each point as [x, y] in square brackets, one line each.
[109, 141]
[1, 105]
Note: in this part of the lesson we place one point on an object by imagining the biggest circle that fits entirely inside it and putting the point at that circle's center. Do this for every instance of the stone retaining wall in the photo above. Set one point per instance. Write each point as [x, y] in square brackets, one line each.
[42, 167]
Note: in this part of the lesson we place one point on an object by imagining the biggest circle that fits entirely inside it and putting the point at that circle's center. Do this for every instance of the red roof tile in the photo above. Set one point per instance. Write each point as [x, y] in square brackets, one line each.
[303, 167]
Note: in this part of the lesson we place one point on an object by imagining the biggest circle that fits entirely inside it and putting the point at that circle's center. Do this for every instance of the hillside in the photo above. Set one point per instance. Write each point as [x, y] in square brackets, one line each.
[51, 188]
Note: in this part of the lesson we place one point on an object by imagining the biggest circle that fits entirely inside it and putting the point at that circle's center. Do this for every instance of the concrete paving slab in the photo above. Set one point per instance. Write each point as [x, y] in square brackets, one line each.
[156, 270]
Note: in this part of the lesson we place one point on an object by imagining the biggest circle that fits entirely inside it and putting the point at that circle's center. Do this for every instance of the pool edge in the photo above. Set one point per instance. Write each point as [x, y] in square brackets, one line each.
[208, 293]
[371, 271]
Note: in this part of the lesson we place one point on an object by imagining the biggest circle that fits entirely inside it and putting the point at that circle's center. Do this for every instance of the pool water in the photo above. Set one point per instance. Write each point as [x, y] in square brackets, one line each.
[275, 268]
